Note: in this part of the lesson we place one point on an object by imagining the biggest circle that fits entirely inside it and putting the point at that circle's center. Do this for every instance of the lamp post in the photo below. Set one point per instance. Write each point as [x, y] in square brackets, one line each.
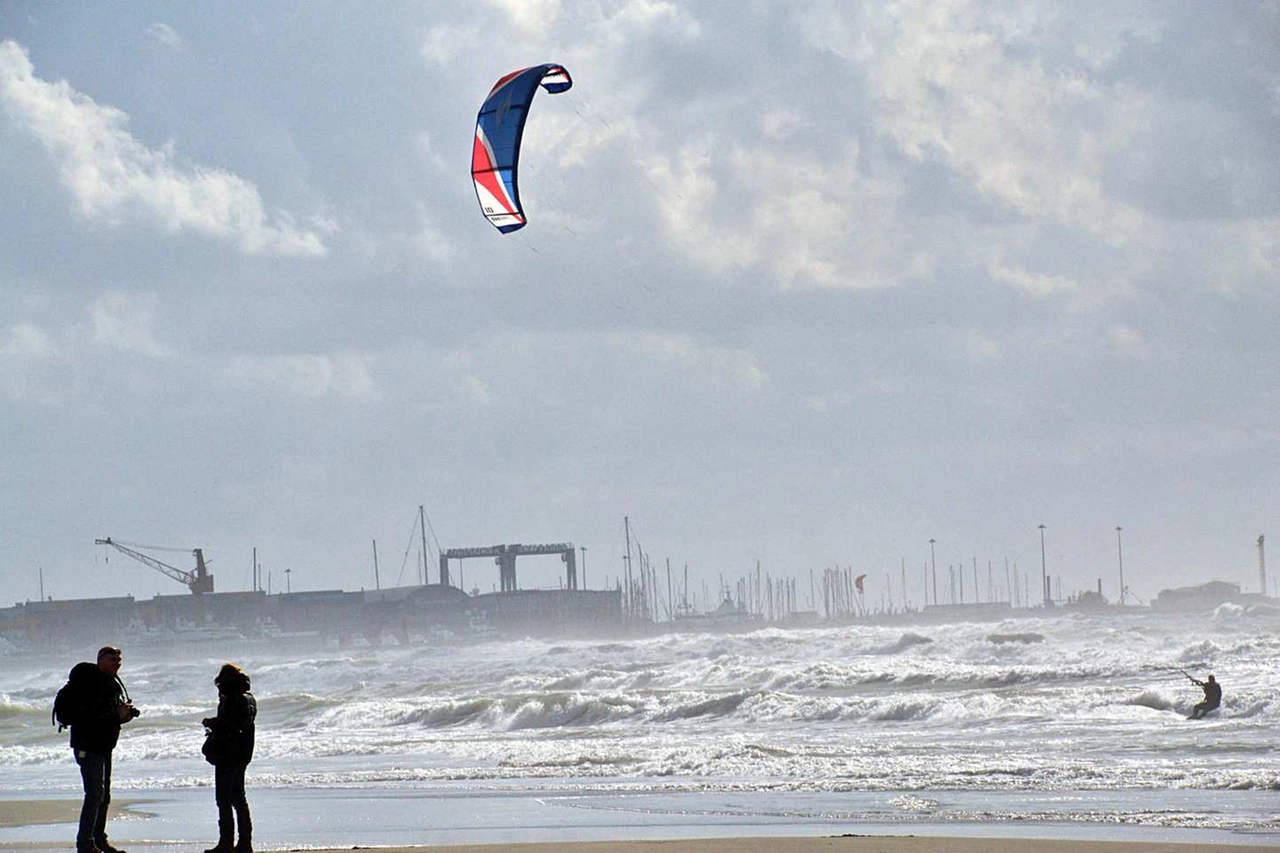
[1044, 575]
[1120, 559]
[288, 584]
[583, 549]
[933, 565]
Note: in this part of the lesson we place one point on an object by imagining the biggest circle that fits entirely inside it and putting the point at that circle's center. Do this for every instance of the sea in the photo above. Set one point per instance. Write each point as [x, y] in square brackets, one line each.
[1066, 726]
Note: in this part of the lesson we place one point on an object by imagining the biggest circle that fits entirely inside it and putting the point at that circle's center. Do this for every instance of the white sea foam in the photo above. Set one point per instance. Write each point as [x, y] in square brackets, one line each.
[1041, 705]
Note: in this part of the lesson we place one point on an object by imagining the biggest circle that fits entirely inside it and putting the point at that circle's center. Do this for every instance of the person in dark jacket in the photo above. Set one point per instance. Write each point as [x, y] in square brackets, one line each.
[1212, 697]
[229, 748]
[103, 707]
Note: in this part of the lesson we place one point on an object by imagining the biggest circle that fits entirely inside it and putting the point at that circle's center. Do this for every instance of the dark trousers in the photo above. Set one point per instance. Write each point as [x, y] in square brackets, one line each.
[95, 772]
[233, 807]
[1203, 708]
[228, 785]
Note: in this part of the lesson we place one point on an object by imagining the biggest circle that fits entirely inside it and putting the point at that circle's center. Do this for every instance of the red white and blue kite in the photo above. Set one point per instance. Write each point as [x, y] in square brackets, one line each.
[495, 156]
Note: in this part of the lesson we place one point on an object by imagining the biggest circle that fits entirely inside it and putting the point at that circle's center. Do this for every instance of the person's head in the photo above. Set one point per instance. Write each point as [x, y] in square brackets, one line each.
[231, 678]
[109, 659]
[1211, 677]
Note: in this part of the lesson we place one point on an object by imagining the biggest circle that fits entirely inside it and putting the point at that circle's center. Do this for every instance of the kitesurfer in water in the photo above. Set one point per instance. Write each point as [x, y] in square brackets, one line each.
[1212, 697]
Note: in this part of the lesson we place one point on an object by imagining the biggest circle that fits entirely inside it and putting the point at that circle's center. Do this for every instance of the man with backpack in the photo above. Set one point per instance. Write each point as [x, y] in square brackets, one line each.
[95, 704]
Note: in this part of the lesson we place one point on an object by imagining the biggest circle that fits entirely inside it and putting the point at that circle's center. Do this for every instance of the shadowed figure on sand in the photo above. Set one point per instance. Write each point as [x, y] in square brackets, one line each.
[228, 746]
[95, 704]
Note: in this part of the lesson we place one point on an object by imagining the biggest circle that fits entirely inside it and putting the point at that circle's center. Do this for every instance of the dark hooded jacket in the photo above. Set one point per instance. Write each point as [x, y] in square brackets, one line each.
[233, 729]
[97, 722]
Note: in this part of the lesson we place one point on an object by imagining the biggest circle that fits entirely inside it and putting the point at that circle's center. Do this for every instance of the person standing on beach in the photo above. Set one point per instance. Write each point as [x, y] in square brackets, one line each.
[229, 748]
[102, 707]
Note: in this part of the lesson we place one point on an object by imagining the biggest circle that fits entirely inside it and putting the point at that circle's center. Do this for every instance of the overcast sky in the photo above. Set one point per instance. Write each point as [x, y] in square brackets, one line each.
[807, 284]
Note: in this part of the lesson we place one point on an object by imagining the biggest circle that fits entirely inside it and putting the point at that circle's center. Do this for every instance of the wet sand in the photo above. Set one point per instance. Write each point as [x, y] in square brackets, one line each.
[841, 844]
[39, 812]
[15, 813]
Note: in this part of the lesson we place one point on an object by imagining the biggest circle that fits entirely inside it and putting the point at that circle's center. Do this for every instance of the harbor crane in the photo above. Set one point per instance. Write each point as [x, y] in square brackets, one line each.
[198, 582]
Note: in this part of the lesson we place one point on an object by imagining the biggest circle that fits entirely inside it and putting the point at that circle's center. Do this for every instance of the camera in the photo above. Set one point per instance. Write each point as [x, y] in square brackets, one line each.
[134, 713]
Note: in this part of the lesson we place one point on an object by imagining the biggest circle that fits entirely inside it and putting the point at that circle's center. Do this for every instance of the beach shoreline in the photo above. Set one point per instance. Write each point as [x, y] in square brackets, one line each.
[46, 812]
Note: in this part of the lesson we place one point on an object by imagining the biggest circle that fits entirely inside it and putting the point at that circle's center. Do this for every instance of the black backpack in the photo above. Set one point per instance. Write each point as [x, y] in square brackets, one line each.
[69, 704]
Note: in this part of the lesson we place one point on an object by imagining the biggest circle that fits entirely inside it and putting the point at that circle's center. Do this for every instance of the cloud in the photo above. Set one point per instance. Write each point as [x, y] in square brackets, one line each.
[341, 376]
[25, 351]
[113, 176]
[165, 36]
[444, 44]
[123, 322]
[979, 89]
[1032, 284]
[25, 341]
[699, 364]
[531, 16]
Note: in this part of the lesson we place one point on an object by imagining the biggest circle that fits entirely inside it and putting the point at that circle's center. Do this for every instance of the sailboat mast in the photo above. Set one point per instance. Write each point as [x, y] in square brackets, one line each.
[422, 526]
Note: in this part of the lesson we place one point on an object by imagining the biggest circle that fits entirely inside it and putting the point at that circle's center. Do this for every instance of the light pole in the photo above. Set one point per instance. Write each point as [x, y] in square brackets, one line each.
[1120, 558]
[288, 585]
[933, 565]
[1044, 576]
[583, 549]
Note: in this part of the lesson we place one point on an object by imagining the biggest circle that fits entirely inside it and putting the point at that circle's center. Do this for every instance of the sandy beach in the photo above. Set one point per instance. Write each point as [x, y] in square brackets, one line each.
[842, 844]
[16, 813]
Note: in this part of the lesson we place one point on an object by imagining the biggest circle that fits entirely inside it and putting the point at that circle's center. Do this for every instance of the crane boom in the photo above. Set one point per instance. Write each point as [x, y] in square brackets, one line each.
[198, 581]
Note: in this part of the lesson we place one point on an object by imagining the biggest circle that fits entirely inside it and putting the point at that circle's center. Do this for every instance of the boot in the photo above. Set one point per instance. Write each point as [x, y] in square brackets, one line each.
[245, 844]
[226, 831]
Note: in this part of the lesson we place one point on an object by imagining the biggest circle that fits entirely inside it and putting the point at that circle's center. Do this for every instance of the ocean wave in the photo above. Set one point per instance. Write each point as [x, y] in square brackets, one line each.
[906, 641]
[914, 805]
[1092, 705]
[1151, 699]
[1024, 637]
[711, 706]
[903, 711]
[587, 761]
[559, 710]
[448, 714]
[1251, 708]
[1198, 654]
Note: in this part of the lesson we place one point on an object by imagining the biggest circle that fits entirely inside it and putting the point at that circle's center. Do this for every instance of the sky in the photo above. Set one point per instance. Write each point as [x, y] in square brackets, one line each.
[803, 286]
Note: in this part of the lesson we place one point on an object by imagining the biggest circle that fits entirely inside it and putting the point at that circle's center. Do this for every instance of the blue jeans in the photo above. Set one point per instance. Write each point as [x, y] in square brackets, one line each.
[95, 772]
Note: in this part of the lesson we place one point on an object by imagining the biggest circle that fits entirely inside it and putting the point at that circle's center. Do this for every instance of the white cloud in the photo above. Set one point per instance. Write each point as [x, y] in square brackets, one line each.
[25, 341]
[1032, 284]
[1253, 265]
[531, 16]
[341, 376]
[112, 175]
[782, 124]
[123, 322]
[1127, 339]
[686, 196]
[165, 36]
[654, 16]
[26, 351]
[444, 44]
[979, 347]
[950, 83]
[803, 220]
[699, 363]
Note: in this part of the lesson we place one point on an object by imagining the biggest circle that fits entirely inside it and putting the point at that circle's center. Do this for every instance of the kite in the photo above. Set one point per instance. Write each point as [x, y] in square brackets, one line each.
[495, 155]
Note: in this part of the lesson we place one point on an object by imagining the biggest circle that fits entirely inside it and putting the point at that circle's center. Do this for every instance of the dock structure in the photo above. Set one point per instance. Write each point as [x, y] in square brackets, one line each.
[398, 614]
[505, 557]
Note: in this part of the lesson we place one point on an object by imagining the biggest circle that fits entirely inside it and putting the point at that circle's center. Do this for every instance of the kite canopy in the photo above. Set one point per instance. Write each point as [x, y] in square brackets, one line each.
[495, 155]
